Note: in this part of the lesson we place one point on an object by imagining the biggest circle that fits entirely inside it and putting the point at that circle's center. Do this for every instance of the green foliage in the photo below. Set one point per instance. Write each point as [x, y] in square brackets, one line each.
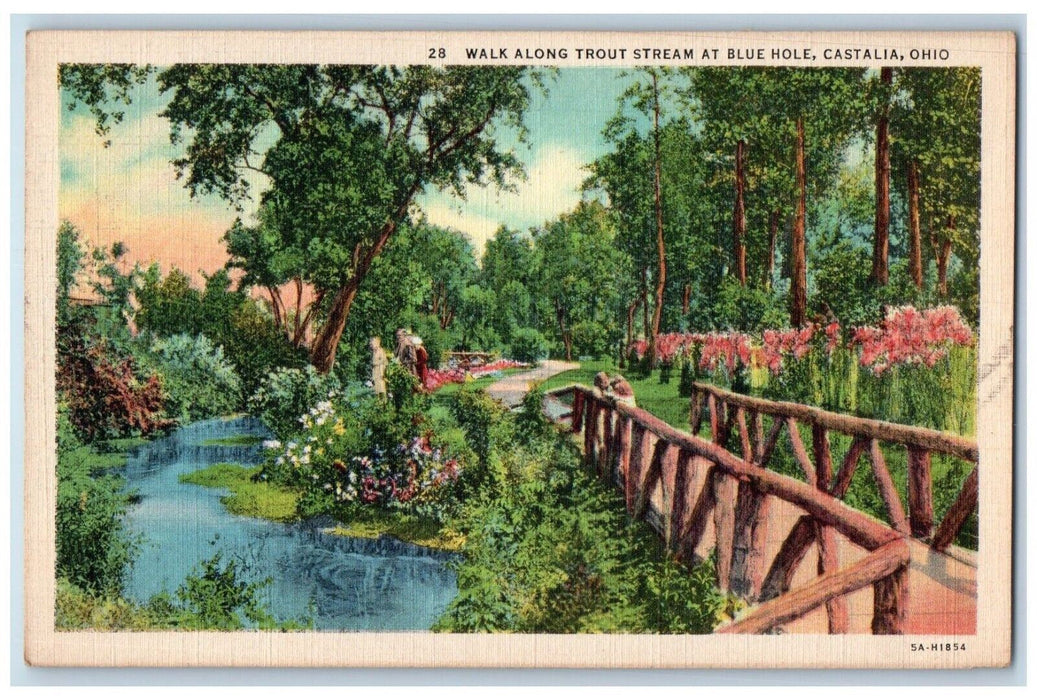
[747, 308]
[528, 345]
[93, 544]
[942, 397]
[286, 394]
[404, 389]
[481, 419]
[216, 595]
[556, 554]
[71, 258]
[197, 380]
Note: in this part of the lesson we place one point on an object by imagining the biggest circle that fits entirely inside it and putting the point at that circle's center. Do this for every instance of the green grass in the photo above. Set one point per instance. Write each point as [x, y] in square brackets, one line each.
[106, 455]
[372, 524]
[658, 399]
[233, 441]
[246, 497]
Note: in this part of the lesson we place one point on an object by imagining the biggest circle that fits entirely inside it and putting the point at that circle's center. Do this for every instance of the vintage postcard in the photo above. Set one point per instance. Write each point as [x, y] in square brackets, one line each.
[600, 350]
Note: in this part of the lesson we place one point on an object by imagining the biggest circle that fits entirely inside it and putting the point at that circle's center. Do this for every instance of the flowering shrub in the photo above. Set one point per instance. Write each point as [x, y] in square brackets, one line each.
[287, 393]
[107, 395]
[911, 337]
[411, 474]
[363, 453]
[916, 366]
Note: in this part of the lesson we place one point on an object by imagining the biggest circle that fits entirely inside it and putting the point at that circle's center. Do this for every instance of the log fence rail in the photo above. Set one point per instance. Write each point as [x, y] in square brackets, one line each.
[644, 455]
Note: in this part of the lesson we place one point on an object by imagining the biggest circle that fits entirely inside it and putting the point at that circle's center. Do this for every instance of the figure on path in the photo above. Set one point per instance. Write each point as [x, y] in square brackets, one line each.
[420, 361]
[379, 362]
[405, 351]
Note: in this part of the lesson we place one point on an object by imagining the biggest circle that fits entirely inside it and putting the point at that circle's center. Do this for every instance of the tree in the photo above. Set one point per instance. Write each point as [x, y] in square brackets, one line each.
[344, 148]
[937, 153]
[578, 267]
[644, 97]
[880, 251]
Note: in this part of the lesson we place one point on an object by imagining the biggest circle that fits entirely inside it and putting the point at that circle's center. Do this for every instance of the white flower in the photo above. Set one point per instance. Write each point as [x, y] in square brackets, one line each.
[272, 444]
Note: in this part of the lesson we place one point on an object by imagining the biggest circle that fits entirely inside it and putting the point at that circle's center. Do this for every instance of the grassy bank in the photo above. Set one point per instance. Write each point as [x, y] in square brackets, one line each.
[255, 499]
[372, 524]
[234, 441]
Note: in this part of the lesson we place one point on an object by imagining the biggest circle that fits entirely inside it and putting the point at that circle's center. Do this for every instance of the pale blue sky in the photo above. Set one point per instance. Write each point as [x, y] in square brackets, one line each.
[128, 191]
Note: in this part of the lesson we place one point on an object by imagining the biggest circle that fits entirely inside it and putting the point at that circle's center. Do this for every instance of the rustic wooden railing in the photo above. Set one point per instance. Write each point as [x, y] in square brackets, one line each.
[643, 454]
[727, 409]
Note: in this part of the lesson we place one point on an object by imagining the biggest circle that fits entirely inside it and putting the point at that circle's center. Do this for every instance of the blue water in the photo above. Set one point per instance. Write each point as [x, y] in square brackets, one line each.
[341, 583]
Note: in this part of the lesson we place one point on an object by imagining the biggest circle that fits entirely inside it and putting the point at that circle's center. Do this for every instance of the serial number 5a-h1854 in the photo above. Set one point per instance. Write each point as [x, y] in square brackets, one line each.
[939, 646]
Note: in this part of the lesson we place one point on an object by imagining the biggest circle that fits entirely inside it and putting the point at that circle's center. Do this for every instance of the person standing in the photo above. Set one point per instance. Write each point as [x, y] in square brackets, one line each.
[379, 362]
[405, 351]
[421, 362]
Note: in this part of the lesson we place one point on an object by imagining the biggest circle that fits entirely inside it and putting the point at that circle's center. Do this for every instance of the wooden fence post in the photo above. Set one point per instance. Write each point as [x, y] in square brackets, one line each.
[676, 482]
[726, 494]
[590, 431]
[638, 448]
[897, 517]
[919, 491]
[624, 443]
[604, 461]
[577, 410]
[695, 419]
[750, 541]
[890, 603]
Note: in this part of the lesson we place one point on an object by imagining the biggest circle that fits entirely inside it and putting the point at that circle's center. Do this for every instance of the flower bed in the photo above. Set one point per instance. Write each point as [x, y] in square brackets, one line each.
[438, 378]
[915, 366]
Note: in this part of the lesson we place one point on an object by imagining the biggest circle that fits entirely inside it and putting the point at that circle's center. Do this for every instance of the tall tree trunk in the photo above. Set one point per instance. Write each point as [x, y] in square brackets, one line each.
[631, 311]
[645, 312]
[775, 223]
[325, 345]
[914, 225]
[567, 340]
[943, 258]
[798, 310]
[322, 354]
[739, 214]
[275, 297]
[660, 242]
[880, 251]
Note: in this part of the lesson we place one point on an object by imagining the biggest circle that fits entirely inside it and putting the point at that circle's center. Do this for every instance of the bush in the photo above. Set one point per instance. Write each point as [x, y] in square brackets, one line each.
[528, 345]
[556, 554]
[214, 596]
[255, 346]
[93, 545]
[287, 393]
[197, 379]
[592, 339]
[747, 308]
[106, 395]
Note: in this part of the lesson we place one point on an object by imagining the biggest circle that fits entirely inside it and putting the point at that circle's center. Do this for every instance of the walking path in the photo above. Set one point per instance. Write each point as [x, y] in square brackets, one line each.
[512, 389]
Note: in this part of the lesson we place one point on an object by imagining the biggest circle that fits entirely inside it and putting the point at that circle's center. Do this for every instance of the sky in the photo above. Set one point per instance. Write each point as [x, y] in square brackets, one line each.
[128, 191]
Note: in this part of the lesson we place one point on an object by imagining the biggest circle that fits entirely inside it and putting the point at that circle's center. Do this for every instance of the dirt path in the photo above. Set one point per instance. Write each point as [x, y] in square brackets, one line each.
[511, 390]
